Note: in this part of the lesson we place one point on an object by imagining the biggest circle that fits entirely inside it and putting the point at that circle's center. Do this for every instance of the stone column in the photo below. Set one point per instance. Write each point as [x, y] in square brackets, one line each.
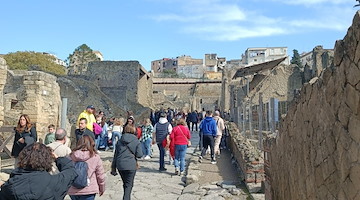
[3, 77]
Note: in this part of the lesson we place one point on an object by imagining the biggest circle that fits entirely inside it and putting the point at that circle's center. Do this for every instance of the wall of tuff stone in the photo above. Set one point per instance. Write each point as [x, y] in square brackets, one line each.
[316, 154]
[33, 93]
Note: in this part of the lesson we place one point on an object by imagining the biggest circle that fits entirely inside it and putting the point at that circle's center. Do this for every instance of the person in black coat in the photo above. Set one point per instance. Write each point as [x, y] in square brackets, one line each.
[25, 135]
[82, 130]
[128, 150]
[32, 180]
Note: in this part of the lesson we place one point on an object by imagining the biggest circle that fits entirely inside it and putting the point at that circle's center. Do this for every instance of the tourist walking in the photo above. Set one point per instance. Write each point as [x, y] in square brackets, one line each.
[50, 137]
[220, 128]
[85, 152]
[25, 134]
[208, 132]
[128, 150]
[117, 130]
[88, 114]
[59, 146]
[180, 136]
[31, 179]
[83, 130]
[162, 129]
[146, 138]
[193, 118]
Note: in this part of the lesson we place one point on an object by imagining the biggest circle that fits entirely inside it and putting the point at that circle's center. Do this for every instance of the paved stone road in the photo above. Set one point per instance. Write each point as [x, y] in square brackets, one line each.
[149, 182]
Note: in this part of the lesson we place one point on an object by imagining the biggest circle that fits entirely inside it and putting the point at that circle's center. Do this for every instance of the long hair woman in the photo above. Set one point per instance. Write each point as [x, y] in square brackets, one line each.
[180, 137]
[117, 130]
[25, 134]
[32, 180]
[85, 151]
[127, 151]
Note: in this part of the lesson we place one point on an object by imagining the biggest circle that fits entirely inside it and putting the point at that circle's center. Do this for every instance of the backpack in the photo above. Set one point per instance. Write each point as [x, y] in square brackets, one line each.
[97, 128]
[82, 179]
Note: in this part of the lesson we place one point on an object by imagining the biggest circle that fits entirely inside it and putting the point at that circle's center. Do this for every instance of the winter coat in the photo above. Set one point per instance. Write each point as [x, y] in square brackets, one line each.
[180, 135]
[39, 185]
[219, 124]
[128, 149]
[29, 136]
[208, 126]
[79, 133]
[96, 173]
[193, 117]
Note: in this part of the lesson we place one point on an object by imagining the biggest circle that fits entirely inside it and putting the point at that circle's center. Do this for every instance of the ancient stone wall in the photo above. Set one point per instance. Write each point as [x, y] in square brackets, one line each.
[33, 93]
[316, 153]
[3, 77]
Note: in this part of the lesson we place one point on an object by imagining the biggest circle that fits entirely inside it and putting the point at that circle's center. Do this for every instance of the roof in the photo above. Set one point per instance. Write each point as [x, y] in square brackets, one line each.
[249, 70]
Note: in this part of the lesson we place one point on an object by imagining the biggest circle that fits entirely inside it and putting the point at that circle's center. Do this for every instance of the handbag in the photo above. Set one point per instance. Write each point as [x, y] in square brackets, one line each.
[188, 141]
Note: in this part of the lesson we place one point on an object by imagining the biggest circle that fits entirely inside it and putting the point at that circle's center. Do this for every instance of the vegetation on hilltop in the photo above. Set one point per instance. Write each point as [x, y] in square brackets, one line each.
[30, 60]
[296, 58]
[80, 58]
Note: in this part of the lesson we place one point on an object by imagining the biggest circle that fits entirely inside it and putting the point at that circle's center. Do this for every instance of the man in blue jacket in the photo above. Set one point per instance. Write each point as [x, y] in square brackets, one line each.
[208, 130]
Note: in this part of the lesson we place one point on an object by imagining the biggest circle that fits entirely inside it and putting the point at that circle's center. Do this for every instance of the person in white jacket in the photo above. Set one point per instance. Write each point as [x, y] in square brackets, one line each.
[220, 128]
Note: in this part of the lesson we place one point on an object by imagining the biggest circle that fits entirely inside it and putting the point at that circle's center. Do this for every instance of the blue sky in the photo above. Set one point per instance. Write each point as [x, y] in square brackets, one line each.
[147, 30]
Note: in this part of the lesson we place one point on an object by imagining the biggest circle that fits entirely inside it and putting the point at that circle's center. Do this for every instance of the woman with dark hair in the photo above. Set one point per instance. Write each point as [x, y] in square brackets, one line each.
[25, 134]
[180, 137]
[85, 151]
[32, 180]
[128, 150]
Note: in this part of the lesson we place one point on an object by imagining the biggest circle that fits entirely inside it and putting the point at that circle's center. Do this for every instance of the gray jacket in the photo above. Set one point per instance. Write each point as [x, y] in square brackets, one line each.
[127, 151]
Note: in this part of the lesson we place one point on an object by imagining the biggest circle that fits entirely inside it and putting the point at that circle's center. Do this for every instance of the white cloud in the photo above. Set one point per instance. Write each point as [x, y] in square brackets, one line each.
[312, 2]
[218, 20]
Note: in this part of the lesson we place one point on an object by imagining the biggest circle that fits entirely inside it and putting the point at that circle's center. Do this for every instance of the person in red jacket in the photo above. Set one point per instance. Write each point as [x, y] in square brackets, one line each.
[180, 136]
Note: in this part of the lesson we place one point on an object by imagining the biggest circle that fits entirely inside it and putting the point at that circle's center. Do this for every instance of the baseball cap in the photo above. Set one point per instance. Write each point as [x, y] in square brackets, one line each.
[90, 106]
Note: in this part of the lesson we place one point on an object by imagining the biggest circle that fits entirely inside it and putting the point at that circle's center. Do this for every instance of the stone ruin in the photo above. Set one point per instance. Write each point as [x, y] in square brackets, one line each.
[316, 153]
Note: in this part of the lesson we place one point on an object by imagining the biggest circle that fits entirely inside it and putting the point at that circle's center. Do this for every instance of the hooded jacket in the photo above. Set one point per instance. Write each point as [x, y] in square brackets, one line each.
[127, 151]
[39, 185]
[95, 173]
[208, 126]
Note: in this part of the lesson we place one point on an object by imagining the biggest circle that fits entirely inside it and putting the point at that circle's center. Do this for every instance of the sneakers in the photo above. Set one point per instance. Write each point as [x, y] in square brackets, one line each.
[213, 161]
[181, 173]
[177, 171]
[200, 159]
[162, 169]
[147, 157]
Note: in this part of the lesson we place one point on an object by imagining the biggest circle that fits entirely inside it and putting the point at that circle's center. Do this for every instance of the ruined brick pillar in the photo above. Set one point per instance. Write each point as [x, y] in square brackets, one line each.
[42, 102]
[3, 76]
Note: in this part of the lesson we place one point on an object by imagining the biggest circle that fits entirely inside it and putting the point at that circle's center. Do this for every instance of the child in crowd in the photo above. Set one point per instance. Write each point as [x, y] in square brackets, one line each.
[50, 137]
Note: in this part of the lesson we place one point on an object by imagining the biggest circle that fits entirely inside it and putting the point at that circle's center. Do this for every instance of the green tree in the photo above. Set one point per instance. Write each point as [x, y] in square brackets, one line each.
[79, 59]
[30, 60]
[168, 73]
[296, 58]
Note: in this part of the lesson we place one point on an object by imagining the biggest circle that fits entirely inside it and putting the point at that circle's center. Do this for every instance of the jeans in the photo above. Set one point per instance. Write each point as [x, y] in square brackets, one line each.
[115, 137]
[208, 140]
[97, 141]
[146, 147]
[127, 177]
[83, 197]
[180, 152]
[162, 155]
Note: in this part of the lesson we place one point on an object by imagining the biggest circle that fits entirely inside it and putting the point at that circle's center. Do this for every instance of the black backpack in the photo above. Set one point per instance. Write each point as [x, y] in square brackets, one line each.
[82, 179]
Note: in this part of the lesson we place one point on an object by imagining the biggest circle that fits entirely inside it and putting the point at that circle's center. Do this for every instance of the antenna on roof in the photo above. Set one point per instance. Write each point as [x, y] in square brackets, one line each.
[357, 4]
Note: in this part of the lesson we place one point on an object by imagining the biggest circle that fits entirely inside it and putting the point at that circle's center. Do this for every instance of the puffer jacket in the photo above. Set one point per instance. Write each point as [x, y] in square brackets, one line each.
[127, 150]
[39, 185]
[95, 173]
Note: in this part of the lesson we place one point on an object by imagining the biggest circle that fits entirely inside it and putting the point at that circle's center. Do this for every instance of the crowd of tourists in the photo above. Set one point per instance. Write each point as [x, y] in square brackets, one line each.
[51, 170]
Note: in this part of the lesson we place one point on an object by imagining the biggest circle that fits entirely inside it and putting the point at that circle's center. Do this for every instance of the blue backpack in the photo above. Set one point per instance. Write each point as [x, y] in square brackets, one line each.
[82, 179]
